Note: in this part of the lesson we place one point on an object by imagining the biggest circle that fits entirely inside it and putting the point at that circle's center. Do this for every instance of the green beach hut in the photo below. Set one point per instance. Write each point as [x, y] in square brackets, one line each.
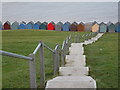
[43, 26]
[110, 27]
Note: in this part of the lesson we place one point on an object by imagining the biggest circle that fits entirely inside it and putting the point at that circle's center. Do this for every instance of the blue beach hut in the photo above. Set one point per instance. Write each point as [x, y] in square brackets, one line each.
[117, 27]
[37, 25]
[22, 25]
[103, 27]
[66, 26]
[29, 25]
[0, 25]
[15, 25]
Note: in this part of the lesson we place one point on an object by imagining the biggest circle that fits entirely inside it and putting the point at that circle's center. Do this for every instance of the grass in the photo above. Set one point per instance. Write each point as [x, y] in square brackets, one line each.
[102, 58]
[15, 72]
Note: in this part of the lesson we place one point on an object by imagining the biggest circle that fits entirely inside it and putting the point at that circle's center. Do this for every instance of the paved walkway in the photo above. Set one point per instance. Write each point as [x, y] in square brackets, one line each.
[75, 73]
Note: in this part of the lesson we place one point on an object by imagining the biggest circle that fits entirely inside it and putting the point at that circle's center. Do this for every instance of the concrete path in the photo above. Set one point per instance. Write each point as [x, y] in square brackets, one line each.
[75, 73]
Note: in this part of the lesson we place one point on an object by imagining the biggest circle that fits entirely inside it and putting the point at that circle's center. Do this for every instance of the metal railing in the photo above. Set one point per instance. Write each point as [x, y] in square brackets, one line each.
[59, 54]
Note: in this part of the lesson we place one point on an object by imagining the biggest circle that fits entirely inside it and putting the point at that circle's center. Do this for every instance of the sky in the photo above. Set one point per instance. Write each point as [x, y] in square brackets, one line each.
[60, 11]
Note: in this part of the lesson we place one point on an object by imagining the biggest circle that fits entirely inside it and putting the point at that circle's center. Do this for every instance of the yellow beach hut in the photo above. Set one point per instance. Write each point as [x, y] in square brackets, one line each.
[95, 27]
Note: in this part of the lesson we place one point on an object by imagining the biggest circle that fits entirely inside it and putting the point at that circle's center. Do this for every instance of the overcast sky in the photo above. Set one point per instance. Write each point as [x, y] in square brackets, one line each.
[60, 11]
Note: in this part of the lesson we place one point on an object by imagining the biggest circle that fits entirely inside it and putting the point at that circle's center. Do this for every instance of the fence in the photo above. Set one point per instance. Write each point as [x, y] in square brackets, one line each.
[59, 54]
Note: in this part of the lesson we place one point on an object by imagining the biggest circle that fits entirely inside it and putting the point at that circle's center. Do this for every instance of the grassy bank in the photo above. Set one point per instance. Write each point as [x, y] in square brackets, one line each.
[102, 58]
[16, 71]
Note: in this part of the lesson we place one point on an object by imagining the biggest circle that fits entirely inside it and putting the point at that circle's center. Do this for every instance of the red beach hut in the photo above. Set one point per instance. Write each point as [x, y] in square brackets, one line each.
[51, 26]
[7, 25]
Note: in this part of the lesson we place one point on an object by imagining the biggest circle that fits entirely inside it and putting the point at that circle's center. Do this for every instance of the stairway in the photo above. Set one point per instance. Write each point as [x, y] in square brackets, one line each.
[75, 73]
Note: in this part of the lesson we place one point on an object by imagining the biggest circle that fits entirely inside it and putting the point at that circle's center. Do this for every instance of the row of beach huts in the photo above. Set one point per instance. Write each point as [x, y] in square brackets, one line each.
[67, 26]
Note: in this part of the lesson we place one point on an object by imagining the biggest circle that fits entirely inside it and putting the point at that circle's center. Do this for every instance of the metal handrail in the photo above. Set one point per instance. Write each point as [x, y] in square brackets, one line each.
[56, 47]
[37, 48]
[48, 48]
[4, 53]
[58, 53]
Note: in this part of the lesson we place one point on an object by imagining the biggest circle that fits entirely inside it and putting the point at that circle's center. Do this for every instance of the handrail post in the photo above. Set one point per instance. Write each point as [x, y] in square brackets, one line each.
[67, 44]
[32, 72]
[75, 39]
[83, 37]
[54, 60]
[42, 65]
[70, 39]
[63, 58]
[63, 54]
[86, 37]
[58, 59]
[78, 38]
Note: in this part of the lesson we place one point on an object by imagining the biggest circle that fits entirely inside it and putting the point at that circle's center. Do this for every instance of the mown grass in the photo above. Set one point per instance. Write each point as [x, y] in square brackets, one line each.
[102, 58]
[15, 72]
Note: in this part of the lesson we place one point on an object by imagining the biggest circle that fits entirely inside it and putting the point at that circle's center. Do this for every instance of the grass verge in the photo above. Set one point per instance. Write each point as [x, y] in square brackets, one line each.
[102, 58]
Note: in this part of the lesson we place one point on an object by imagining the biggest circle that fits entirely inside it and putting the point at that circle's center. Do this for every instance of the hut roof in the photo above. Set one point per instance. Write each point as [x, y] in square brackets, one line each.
[52, 22]
[31, 22]
[75, 23]
[45, 23]
[7, 22]
[67, 23]
[23, 22]
[94, 23]
[38, 22]
[81, 23]
[102, 23]
[117, 23]
[60, 23]
[109, 23]
[15, 23]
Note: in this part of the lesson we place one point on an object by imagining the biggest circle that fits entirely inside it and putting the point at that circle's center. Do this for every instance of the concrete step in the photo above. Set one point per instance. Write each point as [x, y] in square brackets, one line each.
[73, 71]
[73, 58]
[75, 61]
[71, 82]
[77, 44]
[76, 50]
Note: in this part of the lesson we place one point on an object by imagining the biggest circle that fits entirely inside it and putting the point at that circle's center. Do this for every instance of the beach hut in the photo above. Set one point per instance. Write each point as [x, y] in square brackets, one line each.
[95, 27]
[7, 25]
[73, 26]
[15, 25]
[66, 26]
[103, 27]
[110, 27]
[29, 25]
[38, 22]
[22, 25]
[37, 25]
[58, 26]
[51, 26]
[88, 26]
[80, 27]
[117, 27]
[43, 26]
[0, 25]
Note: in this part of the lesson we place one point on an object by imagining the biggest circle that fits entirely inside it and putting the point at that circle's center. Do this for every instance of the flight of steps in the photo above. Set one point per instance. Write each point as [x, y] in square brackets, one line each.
[75, 73]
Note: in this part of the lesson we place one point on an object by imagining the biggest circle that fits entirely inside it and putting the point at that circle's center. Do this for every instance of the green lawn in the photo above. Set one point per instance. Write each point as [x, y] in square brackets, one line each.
[16, 71]
[102, 58]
